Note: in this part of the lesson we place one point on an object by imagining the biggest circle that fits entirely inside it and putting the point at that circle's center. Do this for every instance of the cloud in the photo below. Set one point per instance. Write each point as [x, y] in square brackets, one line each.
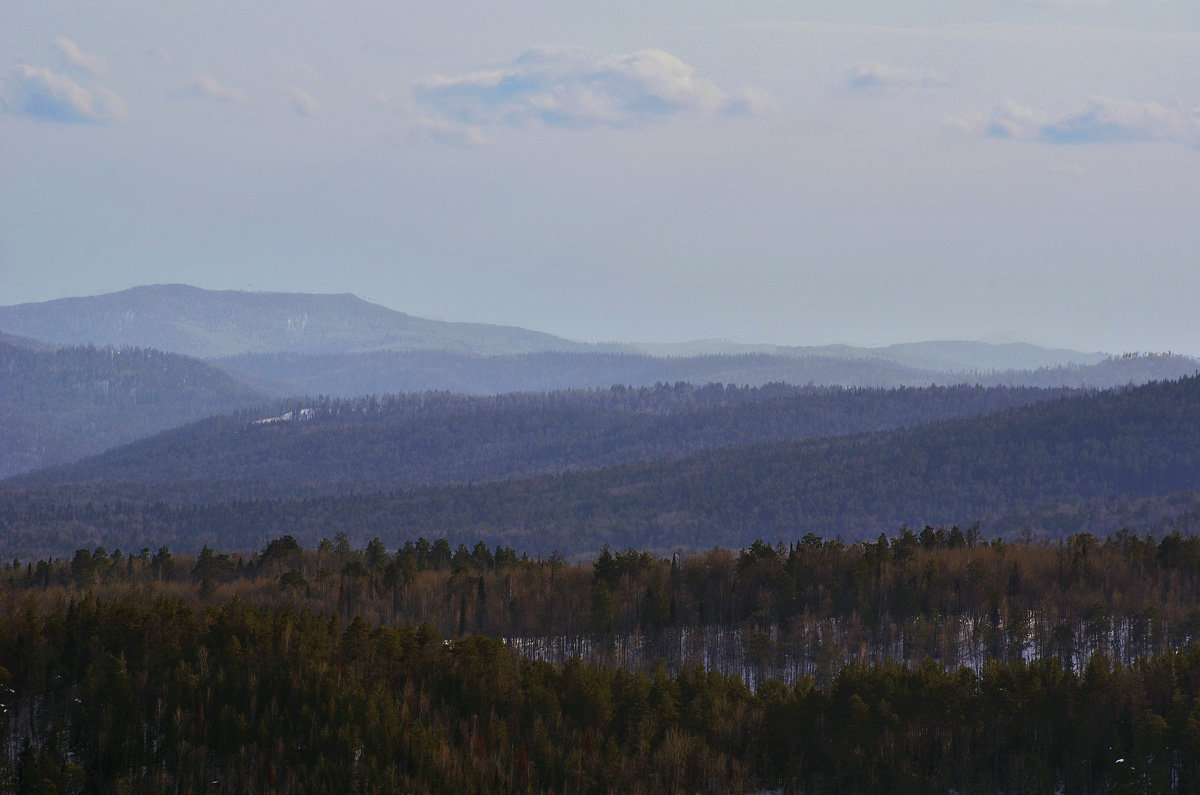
[562, 87]
[302, 101]
[1109, 121]
[873, 76]
[1011, 120]
[79, 59]
[751, 102]
[49, 96]
[963, 126]
[448, 133]
[204, 87]
[1101, 121]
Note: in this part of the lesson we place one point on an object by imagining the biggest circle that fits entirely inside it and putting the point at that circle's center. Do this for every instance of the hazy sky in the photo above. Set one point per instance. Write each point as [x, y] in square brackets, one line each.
[867, 171]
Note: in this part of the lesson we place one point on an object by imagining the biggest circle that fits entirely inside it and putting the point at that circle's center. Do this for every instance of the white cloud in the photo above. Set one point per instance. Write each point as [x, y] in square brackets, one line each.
[751, 101]
[205, 87]
[1012, 120]
[567, 88]
[1113, 121]
[79, 59]
[448, 133]
[872, 75]
[1101, 121]
[302, 102]
[968, 125]
[49, 96]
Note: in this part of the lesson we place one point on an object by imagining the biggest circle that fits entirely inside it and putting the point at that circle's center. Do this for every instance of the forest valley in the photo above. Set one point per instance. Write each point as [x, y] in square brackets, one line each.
[928, 661]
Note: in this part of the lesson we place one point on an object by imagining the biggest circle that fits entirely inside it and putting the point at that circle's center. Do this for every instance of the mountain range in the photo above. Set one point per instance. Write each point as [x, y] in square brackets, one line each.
[210, 324]
[310, 414]
[285, 344]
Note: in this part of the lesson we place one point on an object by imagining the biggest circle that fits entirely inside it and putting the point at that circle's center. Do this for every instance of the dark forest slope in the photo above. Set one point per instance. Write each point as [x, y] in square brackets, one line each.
[62, 404]
[1140, 442]
[407, 440]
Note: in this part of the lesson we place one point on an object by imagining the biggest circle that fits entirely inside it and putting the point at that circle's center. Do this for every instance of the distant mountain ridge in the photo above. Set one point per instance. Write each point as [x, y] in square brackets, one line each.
[212, 324]
[385, 372]
[941, 355]
[208, 324]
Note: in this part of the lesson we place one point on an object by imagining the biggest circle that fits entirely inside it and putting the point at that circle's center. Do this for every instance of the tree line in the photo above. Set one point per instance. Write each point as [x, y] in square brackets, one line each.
[145, 692]
[939, 594]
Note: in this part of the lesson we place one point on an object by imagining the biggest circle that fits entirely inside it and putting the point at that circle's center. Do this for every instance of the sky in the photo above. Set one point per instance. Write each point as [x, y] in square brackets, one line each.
[865, 172]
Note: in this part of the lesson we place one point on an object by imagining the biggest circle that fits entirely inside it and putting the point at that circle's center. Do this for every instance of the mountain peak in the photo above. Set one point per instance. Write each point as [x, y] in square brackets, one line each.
[214, 323]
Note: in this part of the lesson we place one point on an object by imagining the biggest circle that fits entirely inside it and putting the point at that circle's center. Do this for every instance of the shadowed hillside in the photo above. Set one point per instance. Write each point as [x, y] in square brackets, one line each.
[59, 405]
[400, 441]
[1140, 442]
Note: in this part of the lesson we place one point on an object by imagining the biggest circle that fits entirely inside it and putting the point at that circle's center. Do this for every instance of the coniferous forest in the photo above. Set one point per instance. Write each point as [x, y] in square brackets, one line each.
[396, 670]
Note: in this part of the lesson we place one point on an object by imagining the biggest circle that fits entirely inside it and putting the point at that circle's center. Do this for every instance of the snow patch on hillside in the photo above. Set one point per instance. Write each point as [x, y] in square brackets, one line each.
[299, 414]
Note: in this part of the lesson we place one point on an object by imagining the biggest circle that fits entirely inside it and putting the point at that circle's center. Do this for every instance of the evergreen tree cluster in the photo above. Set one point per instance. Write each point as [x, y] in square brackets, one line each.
[150, 693]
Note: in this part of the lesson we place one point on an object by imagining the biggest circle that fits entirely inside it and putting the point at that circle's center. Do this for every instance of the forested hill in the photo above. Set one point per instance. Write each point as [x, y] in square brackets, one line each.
[207, 323]
[1136, 442]
[1113, 372]
[400, 441]
[62, 404]
[381, 372]
[14, 341]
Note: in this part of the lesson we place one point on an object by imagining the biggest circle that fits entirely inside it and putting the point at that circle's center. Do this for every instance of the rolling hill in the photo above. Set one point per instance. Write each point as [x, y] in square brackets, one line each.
[61, 404]
[404, 441]
[1136, 447]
